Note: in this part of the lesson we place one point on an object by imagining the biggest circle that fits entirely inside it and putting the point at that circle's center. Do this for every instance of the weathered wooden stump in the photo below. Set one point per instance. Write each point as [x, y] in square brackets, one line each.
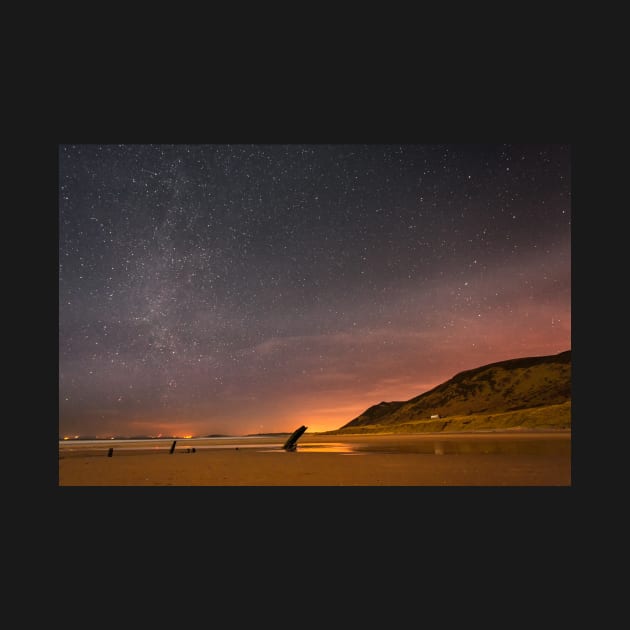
[291, 443]
[173, 446]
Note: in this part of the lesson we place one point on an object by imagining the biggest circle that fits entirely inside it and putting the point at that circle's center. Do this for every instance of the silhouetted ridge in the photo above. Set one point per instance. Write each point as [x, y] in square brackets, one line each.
[496, 388]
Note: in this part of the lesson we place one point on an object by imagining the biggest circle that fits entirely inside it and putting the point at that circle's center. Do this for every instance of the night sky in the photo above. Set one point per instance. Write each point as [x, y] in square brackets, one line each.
[235, 289]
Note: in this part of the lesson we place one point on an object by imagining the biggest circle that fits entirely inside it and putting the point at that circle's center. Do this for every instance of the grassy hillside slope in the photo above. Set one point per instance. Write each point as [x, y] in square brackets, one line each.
[530, 393]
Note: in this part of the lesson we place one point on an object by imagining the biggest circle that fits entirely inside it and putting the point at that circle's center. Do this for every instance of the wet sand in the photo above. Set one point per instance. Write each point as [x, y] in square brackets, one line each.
[452, 459]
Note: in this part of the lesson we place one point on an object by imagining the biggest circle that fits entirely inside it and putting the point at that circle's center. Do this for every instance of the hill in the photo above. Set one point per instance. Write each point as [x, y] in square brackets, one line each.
[528, 393]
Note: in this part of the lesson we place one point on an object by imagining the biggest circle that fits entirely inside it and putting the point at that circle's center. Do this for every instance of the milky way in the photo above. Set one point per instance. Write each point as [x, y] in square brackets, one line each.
[253, 288]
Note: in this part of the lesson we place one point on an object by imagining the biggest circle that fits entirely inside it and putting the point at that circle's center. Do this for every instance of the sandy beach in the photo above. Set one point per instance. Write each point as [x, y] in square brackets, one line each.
[455, 459]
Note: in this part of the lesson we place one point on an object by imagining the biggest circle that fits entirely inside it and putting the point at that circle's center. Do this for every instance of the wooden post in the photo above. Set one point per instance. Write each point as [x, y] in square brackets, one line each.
[110, 452]
[291, 443]
[173, 446]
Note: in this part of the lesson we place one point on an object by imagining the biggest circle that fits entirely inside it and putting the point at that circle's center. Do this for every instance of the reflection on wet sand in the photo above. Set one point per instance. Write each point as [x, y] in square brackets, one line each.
[329, 447]
[471, 447]
[452, 447]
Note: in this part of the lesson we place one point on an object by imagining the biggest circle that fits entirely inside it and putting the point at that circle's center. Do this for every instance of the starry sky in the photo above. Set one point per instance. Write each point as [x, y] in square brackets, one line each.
[250, 288]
